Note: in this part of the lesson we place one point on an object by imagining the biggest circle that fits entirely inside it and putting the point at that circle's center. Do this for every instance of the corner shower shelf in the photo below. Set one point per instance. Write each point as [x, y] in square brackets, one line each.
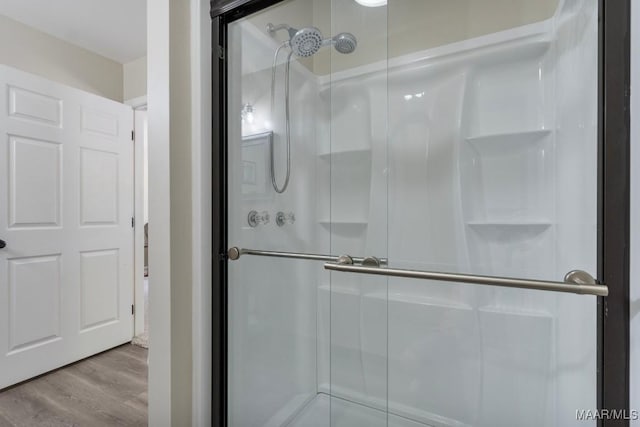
[347, 222]
[540, 224]
[514, 229]
[346, 153]
[499, 141]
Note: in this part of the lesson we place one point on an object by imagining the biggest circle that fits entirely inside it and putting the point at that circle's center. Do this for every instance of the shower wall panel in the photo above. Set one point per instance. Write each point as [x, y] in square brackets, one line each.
[487, 142]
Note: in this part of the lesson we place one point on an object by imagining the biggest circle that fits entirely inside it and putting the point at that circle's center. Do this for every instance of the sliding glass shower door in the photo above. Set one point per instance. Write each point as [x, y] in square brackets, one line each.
[412, 213]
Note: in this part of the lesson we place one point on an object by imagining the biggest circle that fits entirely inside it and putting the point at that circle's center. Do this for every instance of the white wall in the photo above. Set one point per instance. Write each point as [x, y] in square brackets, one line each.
[634, 306]
[202, 210]
[35, 52]
[170, 253]
[160, 392]
[181, 212]
[135, 78]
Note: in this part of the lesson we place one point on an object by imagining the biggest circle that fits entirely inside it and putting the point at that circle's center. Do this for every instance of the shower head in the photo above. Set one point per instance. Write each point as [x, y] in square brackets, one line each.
[306, 42]
[345, 43]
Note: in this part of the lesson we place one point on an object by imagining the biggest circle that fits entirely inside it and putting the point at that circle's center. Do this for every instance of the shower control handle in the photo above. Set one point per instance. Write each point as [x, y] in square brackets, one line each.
[283, 218]
[256, 218]
[3, 244]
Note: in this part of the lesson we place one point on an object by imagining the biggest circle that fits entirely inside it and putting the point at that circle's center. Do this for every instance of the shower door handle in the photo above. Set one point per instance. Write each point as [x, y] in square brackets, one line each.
[575, 282]
[234, 253]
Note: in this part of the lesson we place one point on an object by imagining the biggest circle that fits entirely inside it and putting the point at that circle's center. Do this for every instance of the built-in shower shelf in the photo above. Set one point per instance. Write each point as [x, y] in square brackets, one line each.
[500, 141]
[356, 152]
[343, 222]
[340, 288]
[541, 313]
[539, 225]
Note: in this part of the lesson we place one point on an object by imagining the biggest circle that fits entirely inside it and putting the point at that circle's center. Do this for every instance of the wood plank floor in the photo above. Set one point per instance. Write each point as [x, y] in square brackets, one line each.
[109, 389]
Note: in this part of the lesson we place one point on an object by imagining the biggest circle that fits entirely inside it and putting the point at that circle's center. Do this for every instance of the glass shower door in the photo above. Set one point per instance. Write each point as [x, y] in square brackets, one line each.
[490, 189]
[304, 158]
[272, 300]
[356, 162]
[408, 186]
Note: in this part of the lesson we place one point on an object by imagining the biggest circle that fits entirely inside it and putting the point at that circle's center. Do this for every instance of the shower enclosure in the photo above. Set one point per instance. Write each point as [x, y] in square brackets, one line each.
[411, 199]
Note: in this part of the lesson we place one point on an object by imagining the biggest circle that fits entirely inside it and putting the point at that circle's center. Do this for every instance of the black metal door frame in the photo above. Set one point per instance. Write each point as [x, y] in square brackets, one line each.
[613, 206]
[615, 232]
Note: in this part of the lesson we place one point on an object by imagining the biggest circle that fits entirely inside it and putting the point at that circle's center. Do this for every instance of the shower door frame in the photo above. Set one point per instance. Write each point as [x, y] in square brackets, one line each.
[613, 335]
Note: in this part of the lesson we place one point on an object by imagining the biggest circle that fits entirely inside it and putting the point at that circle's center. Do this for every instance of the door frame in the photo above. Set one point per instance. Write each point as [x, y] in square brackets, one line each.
[138, 104]
[613, 201]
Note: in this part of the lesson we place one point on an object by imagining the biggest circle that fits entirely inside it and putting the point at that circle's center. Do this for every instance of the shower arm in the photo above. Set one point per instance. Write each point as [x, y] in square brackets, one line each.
[272, 29]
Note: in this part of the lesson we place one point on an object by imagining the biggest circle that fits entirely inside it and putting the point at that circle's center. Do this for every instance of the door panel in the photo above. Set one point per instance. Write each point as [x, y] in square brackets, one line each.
[35, 178]
[35, 291]
[66, 275]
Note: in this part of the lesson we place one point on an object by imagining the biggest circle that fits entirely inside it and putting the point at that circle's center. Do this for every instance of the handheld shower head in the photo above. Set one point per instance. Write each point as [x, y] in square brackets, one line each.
[306, 42]
[303, 43]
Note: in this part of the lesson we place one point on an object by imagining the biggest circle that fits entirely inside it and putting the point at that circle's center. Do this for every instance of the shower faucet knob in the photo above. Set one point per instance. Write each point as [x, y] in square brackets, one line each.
[283, 218]
[256, 218]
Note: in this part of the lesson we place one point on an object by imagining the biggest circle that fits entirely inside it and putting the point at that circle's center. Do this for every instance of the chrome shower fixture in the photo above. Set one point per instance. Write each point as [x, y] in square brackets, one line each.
[256, 218]
[285, 218]
[344, 43]
[303, 43]
[308, 41]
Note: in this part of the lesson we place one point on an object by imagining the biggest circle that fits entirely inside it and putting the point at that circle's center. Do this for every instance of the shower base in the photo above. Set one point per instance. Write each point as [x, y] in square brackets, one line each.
[323, 411]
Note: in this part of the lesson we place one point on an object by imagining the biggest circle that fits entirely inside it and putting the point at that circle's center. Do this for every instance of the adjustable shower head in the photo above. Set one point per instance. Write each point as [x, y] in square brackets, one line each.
[345, 43]
[306, 42]
[303, 43]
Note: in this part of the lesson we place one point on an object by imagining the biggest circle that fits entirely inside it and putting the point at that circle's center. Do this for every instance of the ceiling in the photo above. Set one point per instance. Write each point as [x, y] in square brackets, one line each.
[116, 29]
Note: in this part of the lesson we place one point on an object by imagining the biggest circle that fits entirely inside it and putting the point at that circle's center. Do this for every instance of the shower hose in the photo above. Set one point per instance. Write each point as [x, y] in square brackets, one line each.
[287, 113]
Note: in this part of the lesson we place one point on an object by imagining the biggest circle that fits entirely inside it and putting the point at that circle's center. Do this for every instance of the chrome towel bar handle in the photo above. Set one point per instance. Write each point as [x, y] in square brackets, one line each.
[576, 281]
[235, 253]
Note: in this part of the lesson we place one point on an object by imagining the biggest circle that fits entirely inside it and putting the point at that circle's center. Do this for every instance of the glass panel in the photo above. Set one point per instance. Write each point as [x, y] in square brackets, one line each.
[307, 348]
[452, 136]
[357, 159]
[277, 309]
[492, 171]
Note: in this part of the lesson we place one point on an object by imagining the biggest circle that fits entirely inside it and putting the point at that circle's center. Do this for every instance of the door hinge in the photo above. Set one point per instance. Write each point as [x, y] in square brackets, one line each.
[133, 222]
[133, 309]
[133, 135]
[220, 52]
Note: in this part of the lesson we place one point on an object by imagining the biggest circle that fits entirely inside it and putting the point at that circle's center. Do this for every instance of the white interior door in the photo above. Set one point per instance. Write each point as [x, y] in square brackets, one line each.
[66, 203]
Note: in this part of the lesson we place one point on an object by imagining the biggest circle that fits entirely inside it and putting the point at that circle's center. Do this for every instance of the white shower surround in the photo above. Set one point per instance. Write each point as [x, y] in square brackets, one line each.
[503, 137]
